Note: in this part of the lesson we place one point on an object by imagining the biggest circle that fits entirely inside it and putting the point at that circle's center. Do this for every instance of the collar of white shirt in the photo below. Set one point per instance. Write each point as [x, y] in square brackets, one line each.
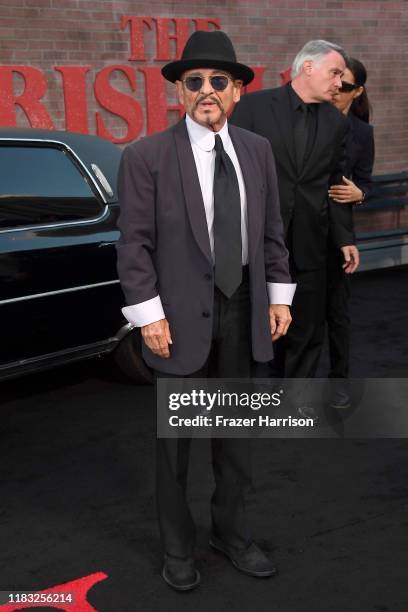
[203, 137]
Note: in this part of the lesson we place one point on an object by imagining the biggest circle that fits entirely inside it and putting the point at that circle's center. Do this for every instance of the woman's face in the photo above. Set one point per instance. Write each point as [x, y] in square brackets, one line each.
[343, 98]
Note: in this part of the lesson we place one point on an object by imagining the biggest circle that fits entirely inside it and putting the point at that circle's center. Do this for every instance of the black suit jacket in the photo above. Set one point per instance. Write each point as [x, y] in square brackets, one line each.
[164, 247]
[307, 212]
[360, 153]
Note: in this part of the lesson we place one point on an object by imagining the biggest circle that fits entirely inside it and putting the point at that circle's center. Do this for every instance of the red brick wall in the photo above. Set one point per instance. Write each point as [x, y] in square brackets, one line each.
[44, 33]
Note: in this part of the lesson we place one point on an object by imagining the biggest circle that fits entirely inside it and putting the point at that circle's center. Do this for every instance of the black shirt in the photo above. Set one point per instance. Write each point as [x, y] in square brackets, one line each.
[304, 121]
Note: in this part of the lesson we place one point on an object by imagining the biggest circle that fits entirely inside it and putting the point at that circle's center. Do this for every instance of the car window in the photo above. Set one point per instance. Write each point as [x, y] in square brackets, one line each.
[42, 185]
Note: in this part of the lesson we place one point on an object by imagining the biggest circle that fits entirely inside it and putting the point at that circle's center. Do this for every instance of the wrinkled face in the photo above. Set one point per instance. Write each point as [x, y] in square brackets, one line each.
[344, 99]
[208, 106]
[324, 76]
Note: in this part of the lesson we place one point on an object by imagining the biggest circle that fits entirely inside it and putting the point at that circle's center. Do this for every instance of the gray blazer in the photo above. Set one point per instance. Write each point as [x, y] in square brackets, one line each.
[164, 247]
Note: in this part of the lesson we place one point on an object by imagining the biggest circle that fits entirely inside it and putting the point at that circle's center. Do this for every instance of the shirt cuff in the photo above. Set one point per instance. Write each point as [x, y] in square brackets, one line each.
[144, 313]
[281, 293]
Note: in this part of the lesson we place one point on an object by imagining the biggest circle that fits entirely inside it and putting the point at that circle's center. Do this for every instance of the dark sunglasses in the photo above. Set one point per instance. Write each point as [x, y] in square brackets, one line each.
[348, 87]
[218, 82]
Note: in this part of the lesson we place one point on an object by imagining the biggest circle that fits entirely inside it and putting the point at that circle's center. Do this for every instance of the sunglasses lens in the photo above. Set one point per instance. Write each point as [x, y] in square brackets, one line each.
[347, 87]
[219, 82]
[193, 83]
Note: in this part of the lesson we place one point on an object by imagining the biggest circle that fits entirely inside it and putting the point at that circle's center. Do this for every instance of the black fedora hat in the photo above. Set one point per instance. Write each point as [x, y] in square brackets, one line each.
[208, 50]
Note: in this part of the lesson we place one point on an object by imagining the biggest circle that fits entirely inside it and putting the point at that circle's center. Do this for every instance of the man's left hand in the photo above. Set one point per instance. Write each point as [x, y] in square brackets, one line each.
[279, 319]
[351, 258]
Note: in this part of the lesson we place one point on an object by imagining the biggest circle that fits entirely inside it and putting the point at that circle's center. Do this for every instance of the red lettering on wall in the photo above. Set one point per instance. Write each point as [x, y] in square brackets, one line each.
[163, 37]
[136, 25]
[156, 100]
[119, 103]
[35, 87]
[168, 30]
[257, 83]
[166, 41]
[203, 24]
[74, 87]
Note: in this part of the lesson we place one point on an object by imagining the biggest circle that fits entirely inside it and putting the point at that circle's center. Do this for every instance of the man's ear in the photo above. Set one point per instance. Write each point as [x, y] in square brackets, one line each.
[180, 92]
[237, 91]
[307, 67]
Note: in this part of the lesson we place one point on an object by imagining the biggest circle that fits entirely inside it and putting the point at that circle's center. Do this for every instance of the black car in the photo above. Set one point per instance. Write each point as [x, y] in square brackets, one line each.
[60, 297]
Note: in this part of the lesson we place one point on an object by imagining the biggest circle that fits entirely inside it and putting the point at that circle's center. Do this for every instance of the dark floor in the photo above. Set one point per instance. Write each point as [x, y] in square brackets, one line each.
[76, 476]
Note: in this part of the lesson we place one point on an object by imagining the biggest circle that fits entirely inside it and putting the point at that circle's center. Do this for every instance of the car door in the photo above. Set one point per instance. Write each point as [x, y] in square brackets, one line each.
[59, 291]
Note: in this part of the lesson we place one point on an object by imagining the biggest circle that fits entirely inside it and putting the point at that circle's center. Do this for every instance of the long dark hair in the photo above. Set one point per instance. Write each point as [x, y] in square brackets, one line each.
[360, 107]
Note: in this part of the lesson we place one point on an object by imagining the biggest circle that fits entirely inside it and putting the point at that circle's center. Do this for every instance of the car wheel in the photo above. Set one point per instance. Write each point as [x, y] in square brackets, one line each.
[128, 357]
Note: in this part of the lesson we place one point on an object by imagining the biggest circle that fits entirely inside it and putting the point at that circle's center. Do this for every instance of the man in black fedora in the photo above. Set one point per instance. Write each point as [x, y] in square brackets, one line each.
[204, 270]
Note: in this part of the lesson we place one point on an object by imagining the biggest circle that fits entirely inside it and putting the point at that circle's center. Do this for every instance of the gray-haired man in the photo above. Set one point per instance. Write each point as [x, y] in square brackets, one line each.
[307, 137]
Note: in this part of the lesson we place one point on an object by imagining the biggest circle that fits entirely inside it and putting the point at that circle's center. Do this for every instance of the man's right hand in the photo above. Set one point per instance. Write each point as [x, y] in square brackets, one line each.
[351, 258]
[157, 337]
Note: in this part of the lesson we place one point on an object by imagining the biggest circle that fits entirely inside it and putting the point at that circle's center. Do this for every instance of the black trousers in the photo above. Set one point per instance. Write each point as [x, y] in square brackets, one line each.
[230, 356]
[297, 354]
[337, 315]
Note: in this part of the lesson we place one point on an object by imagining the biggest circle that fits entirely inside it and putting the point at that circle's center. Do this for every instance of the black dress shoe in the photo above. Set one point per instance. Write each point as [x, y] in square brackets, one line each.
[251, 560]
[180, 574]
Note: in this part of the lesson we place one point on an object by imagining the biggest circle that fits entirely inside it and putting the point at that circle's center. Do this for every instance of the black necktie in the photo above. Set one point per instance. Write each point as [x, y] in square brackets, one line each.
[227, 223]
[300, 136]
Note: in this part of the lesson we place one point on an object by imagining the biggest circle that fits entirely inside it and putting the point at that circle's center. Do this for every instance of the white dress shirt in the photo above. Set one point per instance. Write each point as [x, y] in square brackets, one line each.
[202, 142]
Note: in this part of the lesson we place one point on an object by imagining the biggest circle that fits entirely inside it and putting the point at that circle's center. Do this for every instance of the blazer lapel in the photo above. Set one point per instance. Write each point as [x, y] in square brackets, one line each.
[192, 189]
[253, 187]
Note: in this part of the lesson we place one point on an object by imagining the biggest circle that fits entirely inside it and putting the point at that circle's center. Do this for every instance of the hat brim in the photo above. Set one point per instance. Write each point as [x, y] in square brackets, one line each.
[173, 71]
